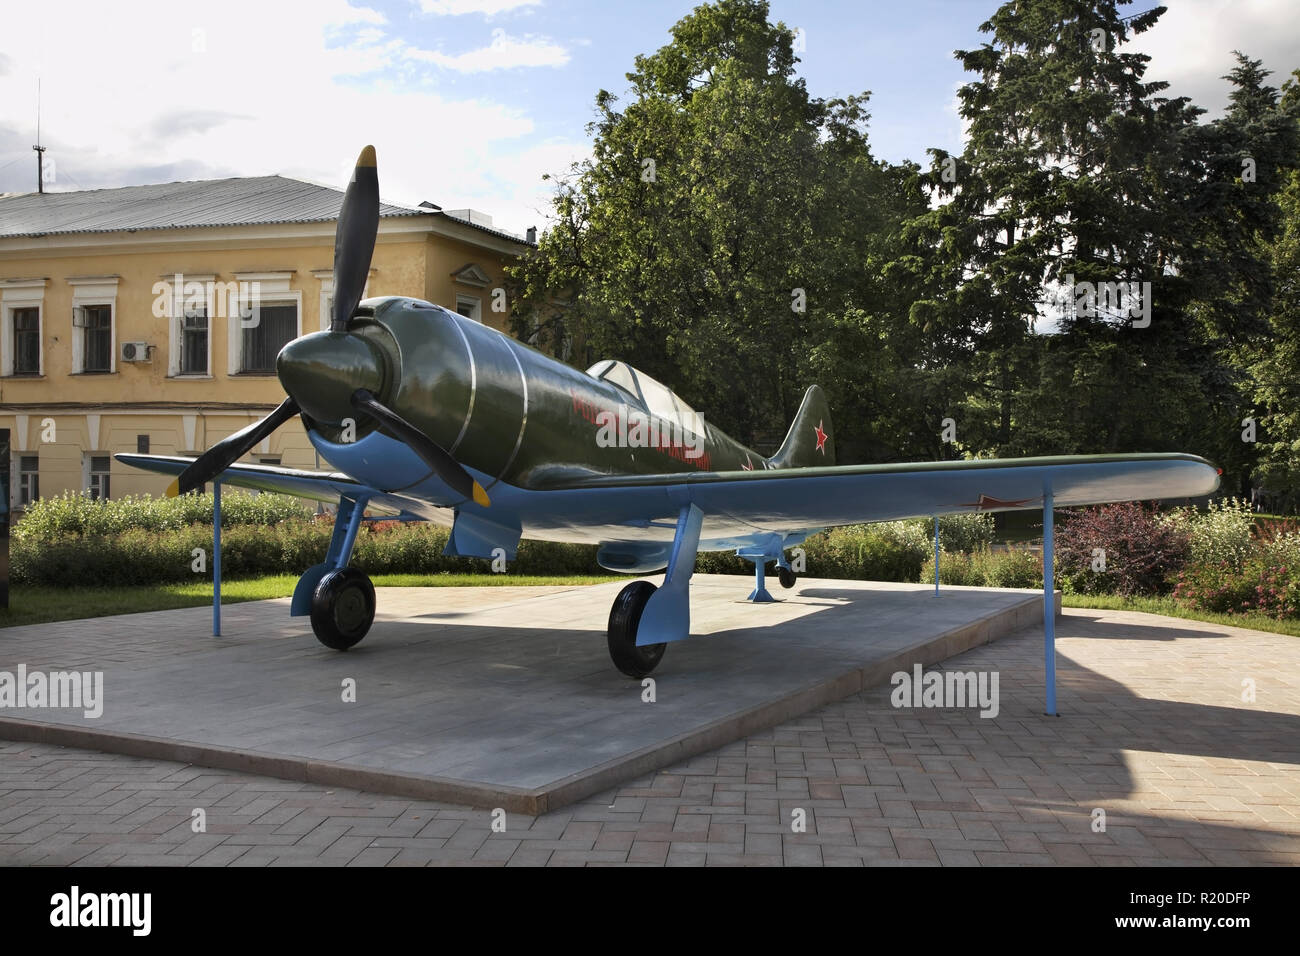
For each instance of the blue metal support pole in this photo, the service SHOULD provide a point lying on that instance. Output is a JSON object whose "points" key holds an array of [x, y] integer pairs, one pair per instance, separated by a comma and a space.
{"points": [[216, 559], [760, 594], [936, 555], [1049, 606]]}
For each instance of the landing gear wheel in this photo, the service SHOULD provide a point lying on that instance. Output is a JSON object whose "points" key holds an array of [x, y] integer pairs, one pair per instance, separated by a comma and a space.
{"points": [[786, 577], [342, 608], [624, 617]]}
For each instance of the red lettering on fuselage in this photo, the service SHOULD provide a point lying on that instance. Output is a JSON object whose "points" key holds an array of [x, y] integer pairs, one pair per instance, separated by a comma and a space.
{"points": [[656, 428]]}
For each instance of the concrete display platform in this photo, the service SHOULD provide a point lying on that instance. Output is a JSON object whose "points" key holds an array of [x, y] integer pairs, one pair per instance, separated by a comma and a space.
{"points": [[492, 697]]}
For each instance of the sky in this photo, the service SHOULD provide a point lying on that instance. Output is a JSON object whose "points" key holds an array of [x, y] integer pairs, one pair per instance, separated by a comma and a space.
{"points": [[470, 102]]}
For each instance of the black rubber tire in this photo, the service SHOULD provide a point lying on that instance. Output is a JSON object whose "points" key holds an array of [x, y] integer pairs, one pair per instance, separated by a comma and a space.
{"points": [[624, 617], [342, 608], [786, 577]]}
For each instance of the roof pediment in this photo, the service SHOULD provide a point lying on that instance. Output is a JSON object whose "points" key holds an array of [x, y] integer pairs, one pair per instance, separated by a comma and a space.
{"points": [[472, 274]]}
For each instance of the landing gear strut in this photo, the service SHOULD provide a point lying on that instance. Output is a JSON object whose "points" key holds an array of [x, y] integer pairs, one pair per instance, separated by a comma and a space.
{"points": [[342, 608], [624, 617], [340, 599]]}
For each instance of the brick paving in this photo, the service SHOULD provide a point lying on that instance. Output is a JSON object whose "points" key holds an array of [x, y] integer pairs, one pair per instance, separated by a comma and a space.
{"points": [[1154, 733]]}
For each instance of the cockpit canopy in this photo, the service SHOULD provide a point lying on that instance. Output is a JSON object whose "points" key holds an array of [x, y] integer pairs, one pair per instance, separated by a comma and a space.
{"points": [[654, 397]]}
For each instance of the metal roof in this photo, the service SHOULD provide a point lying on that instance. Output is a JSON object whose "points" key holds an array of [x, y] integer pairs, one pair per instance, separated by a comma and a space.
{"points": [[243, 201]]}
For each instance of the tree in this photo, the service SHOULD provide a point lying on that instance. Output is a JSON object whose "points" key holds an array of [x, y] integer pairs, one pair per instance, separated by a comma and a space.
{"points": [[724, 215], [1276, 366]]}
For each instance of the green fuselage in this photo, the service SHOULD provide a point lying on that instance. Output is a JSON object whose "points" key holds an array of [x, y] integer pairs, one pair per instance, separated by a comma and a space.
{"points": [[499, 406]]}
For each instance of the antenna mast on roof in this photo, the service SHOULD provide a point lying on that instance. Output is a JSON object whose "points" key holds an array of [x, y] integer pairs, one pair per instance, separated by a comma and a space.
{"points": [[40, 150]]}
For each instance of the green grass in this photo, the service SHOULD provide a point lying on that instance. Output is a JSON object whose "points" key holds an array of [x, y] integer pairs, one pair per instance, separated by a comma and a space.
{"points": [[41, 605], [1167, 607], [33, 605]]}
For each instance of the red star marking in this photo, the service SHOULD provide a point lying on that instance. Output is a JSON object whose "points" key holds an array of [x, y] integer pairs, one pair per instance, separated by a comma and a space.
{"points": [[748, 465], [987, 503], [821, 439]]}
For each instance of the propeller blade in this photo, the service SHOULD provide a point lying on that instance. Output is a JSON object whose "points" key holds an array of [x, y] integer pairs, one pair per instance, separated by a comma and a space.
{"points": [[229, 450], [354, 239], [434, 455]]}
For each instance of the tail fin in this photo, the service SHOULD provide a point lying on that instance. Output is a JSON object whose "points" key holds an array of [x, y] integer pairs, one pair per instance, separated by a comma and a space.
{"points": [[809, 442]]}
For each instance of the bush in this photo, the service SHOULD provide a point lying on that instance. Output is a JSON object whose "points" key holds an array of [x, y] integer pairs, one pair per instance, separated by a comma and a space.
{"points": [[1013, 568], [140, 556], [1142, 550], [1223, 533], [1261, 585], [888, 551], [963, 532], [955, 568], [47, 519]]}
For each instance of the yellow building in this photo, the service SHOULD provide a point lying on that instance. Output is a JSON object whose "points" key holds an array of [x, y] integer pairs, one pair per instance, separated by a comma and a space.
{"points": [[148, 318]]}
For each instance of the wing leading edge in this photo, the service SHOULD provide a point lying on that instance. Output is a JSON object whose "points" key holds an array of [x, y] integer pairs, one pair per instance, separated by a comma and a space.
{"points": [[314, 485]]}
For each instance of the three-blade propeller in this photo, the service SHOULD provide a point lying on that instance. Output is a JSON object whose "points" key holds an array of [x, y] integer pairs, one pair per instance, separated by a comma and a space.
{"points": [[354, 245]]}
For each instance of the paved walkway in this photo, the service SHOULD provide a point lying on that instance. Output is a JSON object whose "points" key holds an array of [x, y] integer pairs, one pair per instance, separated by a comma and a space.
{"points": [[1154, 733]]}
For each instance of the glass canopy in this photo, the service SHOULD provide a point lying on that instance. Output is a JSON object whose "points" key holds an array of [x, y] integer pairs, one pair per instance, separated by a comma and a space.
{"points": [[655, 397]]}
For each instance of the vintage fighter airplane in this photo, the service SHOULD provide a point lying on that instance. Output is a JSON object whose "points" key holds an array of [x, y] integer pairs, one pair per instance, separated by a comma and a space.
{"points": [[434, 416]]}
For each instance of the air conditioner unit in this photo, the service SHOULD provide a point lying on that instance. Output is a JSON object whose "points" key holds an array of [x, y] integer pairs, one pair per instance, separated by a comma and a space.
{"points": [[136, 351]]}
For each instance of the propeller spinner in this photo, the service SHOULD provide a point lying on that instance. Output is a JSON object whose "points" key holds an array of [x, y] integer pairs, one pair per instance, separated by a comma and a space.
{"points": [[331, 374]]}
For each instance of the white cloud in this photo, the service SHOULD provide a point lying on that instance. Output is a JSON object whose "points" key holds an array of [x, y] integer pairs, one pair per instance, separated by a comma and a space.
{"points": [[455, 8], [1191, 45], [252, 88], [504, 52]]}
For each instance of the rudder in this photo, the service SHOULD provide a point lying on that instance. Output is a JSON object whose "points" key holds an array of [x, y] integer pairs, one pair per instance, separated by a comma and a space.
{"points": [[809, 442]]}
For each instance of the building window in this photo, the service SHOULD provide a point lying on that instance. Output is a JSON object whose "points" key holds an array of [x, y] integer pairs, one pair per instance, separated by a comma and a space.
{"points": [[97, 476], [142, 444], [29, 479], [469, 306], [194, 342], [21, 298], [94, 323], [276, 327], [27, 341]]}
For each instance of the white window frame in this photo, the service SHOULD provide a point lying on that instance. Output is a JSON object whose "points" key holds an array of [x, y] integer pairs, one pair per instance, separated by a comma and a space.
{"points": [[273, 289], [18, 456], [88, 291], [18, 294], [86, 460], [470, 300], [175, 337], [326, 279]]}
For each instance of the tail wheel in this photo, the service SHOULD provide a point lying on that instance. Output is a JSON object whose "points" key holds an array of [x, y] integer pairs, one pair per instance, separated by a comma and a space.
{"points": [[342, 608], [786, 577], [624, 617]]}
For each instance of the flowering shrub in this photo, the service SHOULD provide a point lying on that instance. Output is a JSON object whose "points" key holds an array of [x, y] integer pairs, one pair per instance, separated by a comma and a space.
{"points": [[962, 532], [1141, 550], [1261, 585], [1221, 534]]}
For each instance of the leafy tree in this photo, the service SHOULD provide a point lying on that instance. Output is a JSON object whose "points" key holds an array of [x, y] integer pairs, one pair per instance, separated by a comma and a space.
{"points": [[1277, 363], [1061, 180], [724, 217]]}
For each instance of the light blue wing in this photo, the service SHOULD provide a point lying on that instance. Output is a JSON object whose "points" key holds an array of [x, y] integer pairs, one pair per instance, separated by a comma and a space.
{"points": [[313, 485], [850, 494]]}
